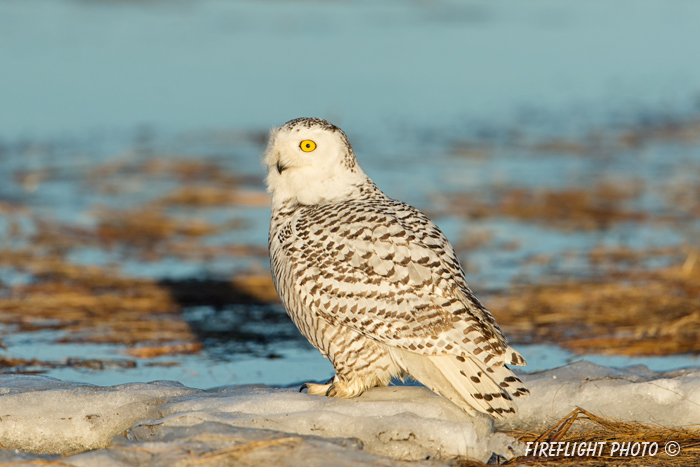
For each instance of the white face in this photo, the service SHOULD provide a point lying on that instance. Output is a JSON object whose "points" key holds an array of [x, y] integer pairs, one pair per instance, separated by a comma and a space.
{"points": [[309, 161]]}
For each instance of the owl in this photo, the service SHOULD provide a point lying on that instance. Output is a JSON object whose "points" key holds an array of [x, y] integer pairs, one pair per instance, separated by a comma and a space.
{"points": [[373, 283]]}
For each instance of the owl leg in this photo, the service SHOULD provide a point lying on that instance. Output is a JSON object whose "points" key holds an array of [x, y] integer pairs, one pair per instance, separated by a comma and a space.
{"points": [[362, 365], [350, 388], [353, 378]]}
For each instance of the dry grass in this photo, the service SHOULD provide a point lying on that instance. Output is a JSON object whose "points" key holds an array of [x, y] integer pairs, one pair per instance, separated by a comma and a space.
{"points": [[582, 426], [600, 206], [146, 233], [205, 195], [158, 351], [571, 209], [601, 143], [145, 228], [684, 198], [684, 132], [155, 228], [180, 169], [574, 209], [641, 312], [201, 182], [564, 146], [92, 304], [30, 366], [101, 305], [605, 143]]}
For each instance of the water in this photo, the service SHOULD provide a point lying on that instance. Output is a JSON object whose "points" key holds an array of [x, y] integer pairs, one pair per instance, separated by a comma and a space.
{"points": [[80, 68], [287, 366]]}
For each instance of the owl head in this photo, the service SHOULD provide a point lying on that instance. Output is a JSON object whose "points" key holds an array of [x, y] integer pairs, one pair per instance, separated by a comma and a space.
{"points": [[310, 161]]}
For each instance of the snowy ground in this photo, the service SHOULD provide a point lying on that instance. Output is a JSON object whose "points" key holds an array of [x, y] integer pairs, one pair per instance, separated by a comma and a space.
{"points": [[165, 423]]}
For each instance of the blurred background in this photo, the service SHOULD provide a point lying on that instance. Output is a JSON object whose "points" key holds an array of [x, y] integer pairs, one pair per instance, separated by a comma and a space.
{"points": [[556, 143]]}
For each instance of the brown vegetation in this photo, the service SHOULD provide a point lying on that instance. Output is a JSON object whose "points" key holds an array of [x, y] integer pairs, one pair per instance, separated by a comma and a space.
{"points": [[92, 304], [624, 309], [204, 195], [638, 312], [100, 304], [570, 209], [582, 426]]}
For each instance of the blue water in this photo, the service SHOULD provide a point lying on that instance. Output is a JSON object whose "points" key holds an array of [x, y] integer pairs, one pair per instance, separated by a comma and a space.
{"points": [[71, 66], [291, 365]]}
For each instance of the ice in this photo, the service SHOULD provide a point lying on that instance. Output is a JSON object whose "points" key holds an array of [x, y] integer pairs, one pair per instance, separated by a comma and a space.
{"points": [[216, 444], [401, 422], [45, 415], [165, 423], [633, 394]]}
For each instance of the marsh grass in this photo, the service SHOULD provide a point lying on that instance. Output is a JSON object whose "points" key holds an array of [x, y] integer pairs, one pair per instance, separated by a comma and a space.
{"points": [[570, 209], [624, 307], [581, 426], [629, 312], [100, 304]]}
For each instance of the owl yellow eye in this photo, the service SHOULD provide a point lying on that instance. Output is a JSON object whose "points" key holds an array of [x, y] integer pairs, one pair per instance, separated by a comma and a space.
{"points": [[307, 145]]}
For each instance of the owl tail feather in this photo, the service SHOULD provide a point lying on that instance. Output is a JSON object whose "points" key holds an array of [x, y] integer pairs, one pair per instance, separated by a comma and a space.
{"points": [[468, 382]]}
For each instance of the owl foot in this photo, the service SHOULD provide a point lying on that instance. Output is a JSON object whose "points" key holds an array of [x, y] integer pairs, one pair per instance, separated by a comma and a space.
{"points": [[316, 389], [334, 388]]}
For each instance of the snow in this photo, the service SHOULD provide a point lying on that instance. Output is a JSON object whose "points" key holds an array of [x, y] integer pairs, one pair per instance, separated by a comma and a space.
{"points": [[45, 415], [165, 423], [633, 393], [214, 444], [401, 422]]}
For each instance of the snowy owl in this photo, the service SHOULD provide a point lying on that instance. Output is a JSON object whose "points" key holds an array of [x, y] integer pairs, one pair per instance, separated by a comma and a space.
{"points": [[373, 283]]}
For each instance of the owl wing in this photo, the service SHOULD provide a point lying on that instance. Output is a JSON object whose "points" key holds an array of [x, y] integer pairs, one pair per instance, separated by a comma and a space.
{"points": [[389, 273]]}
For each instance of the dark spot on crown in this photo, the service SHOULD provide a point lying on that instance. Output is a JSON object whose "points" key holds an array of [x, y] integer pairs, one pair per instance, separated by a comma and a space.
{"points": [[306, 122]]}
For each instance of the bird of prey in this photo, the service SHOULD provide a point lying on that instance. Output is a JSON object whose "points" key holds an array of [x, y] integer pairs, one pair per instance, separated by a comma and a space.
{"points": [[373, 283]]}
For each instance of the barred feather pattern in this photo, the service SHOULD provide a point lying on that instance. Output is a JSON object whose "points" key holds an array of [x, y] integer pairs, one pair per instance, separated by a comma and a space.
{"points": [[378, 289]]}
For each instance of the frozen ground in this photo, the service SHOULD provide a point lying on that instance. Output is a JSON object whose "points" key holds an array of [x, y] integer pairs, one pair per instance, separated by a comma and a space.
{"points": [[165, 423]]}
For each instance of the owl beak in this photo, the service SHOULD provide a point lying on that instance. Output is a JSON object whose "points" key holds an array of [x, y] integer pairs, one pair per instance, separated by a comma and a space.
{"points": [[281, 167]]}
